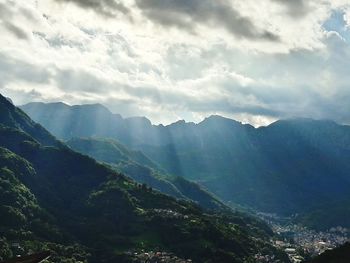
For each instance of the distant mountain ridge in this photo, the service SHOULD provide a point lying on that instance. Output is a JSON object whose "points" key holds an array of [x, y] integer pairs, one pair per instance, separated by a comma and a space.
{"points": [[274, 168], [53, 198]]}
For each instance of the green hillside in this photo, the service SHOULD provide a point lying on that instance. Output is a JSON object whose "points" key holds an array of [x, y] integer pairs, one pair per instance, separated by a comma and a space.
{"points": [[140, 168], [270, 169], [82, 210]]}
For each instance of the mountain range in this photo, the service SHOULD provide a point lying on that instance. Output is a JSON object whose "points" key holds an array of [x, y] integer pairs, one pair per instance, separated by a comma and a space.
{"points": [[295, 166], [55, 199]]}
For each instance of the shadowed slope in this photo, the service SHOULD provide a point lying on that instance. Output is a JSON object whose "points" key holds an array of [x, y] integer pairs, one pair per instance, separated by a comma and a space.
{"points": [[143, 170], [96, 211], [273, 169]]}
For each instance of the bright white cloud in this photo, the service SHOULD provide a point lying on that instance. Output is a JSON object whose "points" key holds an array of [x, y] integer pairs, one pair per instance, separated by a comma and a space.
{"points": [[273, 59]]}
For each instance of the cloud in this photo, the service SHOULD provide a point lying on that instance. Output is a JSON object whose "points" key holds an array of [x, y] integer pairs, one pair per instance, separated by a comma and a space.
{"points": [[6, 19], [186, 15], [137, 68], [295, 8], [109, 8], [17, 31], [189, 14], [13, 69]]}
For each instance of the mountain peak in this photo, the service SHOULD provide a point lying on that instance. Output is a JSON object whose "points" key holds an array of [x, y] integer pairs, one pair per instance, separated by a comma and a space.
{"points": [[61, 105], [40, 105], [9, 100], [303, 121], [93, 107], [179, 123], [219, 119], [3, 99], [13, 117]]}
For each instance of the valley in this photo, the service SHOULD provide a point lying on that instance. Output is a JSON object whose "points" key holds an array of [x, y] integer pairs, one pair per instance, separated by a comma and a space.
{"points": [[174, 131], [302, 243], [131, 208], [58, 200]]}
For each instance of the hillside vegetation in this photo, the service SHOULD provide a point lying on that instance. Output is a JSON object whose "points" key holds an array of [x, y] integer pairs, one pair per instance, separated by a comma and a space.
{"points": [[270, 169], [59, 200], [140, 168]]}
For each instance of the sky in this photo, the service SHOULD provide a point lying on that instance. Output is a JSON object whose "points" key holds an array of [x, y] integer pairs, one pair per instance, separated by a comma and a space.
{"points": [[253, 61]]}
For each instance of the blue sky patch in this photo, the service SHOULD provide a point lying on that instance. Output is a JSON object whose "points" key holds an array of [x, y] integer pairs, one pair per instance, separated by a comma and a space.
{"points": [[337, 23]]}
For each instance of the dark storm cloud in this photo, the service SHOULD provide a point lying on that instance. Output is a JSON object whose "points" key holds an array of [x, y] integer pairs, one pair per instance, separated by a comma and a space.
{"points": [[295, 8], [105, 7], [188, 14]]}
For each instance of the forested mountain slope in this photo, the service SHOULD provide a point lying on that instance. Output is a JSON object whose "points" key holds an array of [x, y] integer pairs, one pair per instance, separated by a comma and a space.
{"points": [[140, 168], [272, 169], [82, 210]]}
